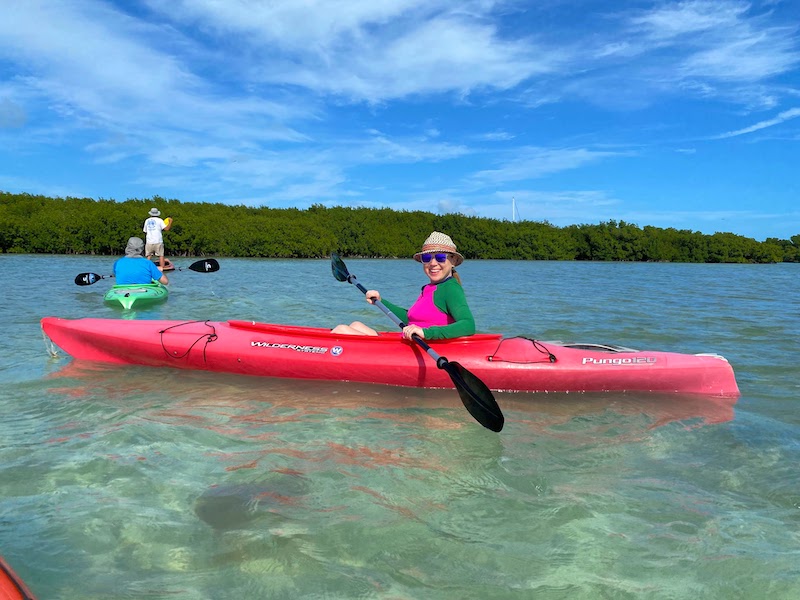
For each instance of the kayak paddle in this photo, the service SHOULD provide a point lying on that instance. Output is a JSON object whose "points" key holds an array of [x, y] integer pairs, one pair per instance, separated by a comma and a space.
{"points": [[89, 278], [476, 396], [207, 265]]}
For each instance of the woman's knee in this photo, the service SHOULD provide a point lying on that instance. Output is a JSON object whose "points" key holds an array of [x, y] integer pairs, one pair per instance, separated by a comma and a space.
{"points": [[355, 328]]}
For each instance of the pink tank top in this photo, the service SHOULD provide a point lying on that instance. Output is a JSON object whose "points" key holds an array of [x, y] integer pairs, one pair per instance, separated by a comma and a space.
{"points": [[425, 313]]}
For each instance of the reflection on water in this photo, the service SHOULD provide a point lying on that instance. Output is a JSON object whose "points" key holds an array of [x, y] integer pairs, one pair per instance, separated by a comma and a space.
{"points": [[297, 399]]}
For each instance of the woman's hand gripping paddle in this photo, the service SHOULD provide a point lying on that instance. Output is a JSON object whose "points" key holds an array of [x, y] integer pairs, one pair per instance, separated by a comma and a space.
{"points": [[207, 265], [476, 396]]}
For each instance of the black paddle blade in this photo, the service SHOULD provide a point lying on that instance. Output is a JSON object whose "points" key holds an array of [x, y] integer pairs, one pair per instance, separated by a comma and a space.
{"points": [[87, 278], [338, 268], [207, 265], [476, 396]]}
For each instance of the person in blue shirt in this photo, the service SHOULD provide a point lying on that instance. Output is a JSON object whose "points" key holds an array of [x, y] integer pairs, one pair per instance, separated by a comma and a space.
{"points": [[134, 268]]}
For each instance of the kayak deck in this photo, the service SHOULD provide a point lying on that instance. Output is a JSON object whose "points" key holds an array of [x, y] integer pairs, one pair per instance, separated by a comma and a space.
{"points": [[287, 351], [127, 296]]}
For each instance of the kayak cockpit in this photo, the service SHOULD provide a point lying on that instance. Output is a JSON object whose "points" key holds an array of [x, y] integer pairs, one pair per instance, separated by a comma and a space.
{"points": [[594, 347]]}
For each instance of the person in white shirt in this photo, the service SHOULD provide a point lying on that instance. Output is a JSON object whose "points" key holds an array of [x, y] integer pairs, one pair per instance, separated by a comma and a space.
{"points": [[154, 241]]}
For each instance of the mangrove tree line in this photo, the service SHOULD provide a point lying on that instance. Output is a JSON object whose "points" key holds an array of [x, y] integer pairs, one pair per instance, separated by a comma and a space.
{"points": [[40, 224]]}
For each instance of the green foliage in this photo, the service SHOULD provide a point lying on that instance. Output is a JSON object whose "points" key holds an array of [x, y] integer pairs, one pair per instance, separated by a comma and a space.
{"points": [[38, 224]]}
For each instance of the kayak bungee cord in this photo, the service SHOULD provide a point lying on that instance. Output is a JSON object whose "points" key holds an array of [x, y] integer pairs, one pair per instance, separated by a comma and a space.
{"points": [[542, 349], [535, 343], [210, 337]]}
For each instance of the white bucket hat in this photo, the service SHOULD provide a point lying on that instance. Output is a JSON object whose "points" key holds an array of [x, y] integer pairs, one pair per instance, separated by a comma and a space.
{"points": [[154, 212], [439, 242]]}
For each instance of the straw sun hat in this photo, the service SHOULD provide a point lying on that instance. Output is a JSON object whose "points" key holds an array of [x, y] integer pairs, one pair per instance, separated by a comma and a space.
{"points": [[439, 242]]}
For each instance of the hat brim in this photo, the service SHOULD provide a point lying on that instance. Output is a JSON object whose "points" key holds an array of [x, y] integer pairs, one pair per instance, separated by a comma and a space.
{"points": [[456, 259]]}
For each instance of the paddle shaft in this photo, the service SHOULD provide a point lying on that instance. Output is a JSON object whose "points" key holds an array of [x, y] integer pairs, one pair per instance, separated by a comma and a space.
{"points": [[440, 360], [207, 265]]}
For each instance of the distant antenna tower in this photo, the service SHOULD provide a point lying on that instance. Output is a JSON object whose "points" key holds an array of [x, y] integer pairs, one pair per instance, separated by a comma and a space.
{"points": [[514, 211]]}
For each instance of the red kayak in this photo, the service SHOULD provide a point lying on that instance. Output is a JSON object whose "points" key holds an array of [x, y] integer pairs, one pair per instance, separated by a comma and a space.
{"points": [[11, 586], [168, 266], [502, 363]]}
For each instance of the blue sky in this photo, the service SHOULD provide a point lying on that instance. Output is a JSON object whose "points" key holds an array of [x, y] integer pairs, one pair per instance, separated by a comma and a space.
{"points": [[671, 114]]}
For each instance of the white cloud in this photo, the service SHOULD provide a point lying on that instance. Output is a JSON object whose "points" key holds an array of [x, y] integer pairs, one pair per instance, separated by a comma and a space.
{"points": [[532, 163], [494, 136], [753, 56], [678, 19], [782, 117], [370, 52], [717, 49]]}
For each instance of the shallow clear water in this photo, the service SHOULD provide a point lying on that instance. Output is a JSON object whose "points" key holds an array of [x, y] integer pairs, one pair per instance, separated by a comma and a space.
{"points": [[130, 482]]}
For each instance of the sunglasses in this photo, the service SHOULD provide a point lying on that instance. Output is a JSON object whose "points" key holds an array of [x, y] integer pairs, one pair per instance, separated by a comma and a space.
{"points": [[439, 256]]}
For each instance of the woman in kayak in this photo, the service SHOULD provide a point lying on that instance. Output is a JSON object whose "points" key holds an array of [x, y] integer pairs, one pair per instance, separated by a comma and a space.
{"points": [[441, 311], [134, 268]]}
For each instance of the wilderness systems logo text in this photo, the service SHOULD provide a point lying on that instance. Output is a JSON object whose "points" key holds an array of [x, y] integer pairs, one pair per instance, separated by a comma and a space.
{"points": [[295, 347]]}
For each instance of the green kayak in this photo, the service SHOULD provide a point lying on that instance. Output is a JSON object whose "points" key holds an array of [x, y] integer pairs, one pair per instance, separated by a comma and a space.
{"points": [[137, 294]]}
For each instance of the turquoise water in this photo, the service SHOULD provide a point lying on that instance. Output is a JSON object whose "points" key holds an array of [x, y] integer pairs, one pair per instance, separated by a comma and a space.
{"points": [[129, 482]]}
